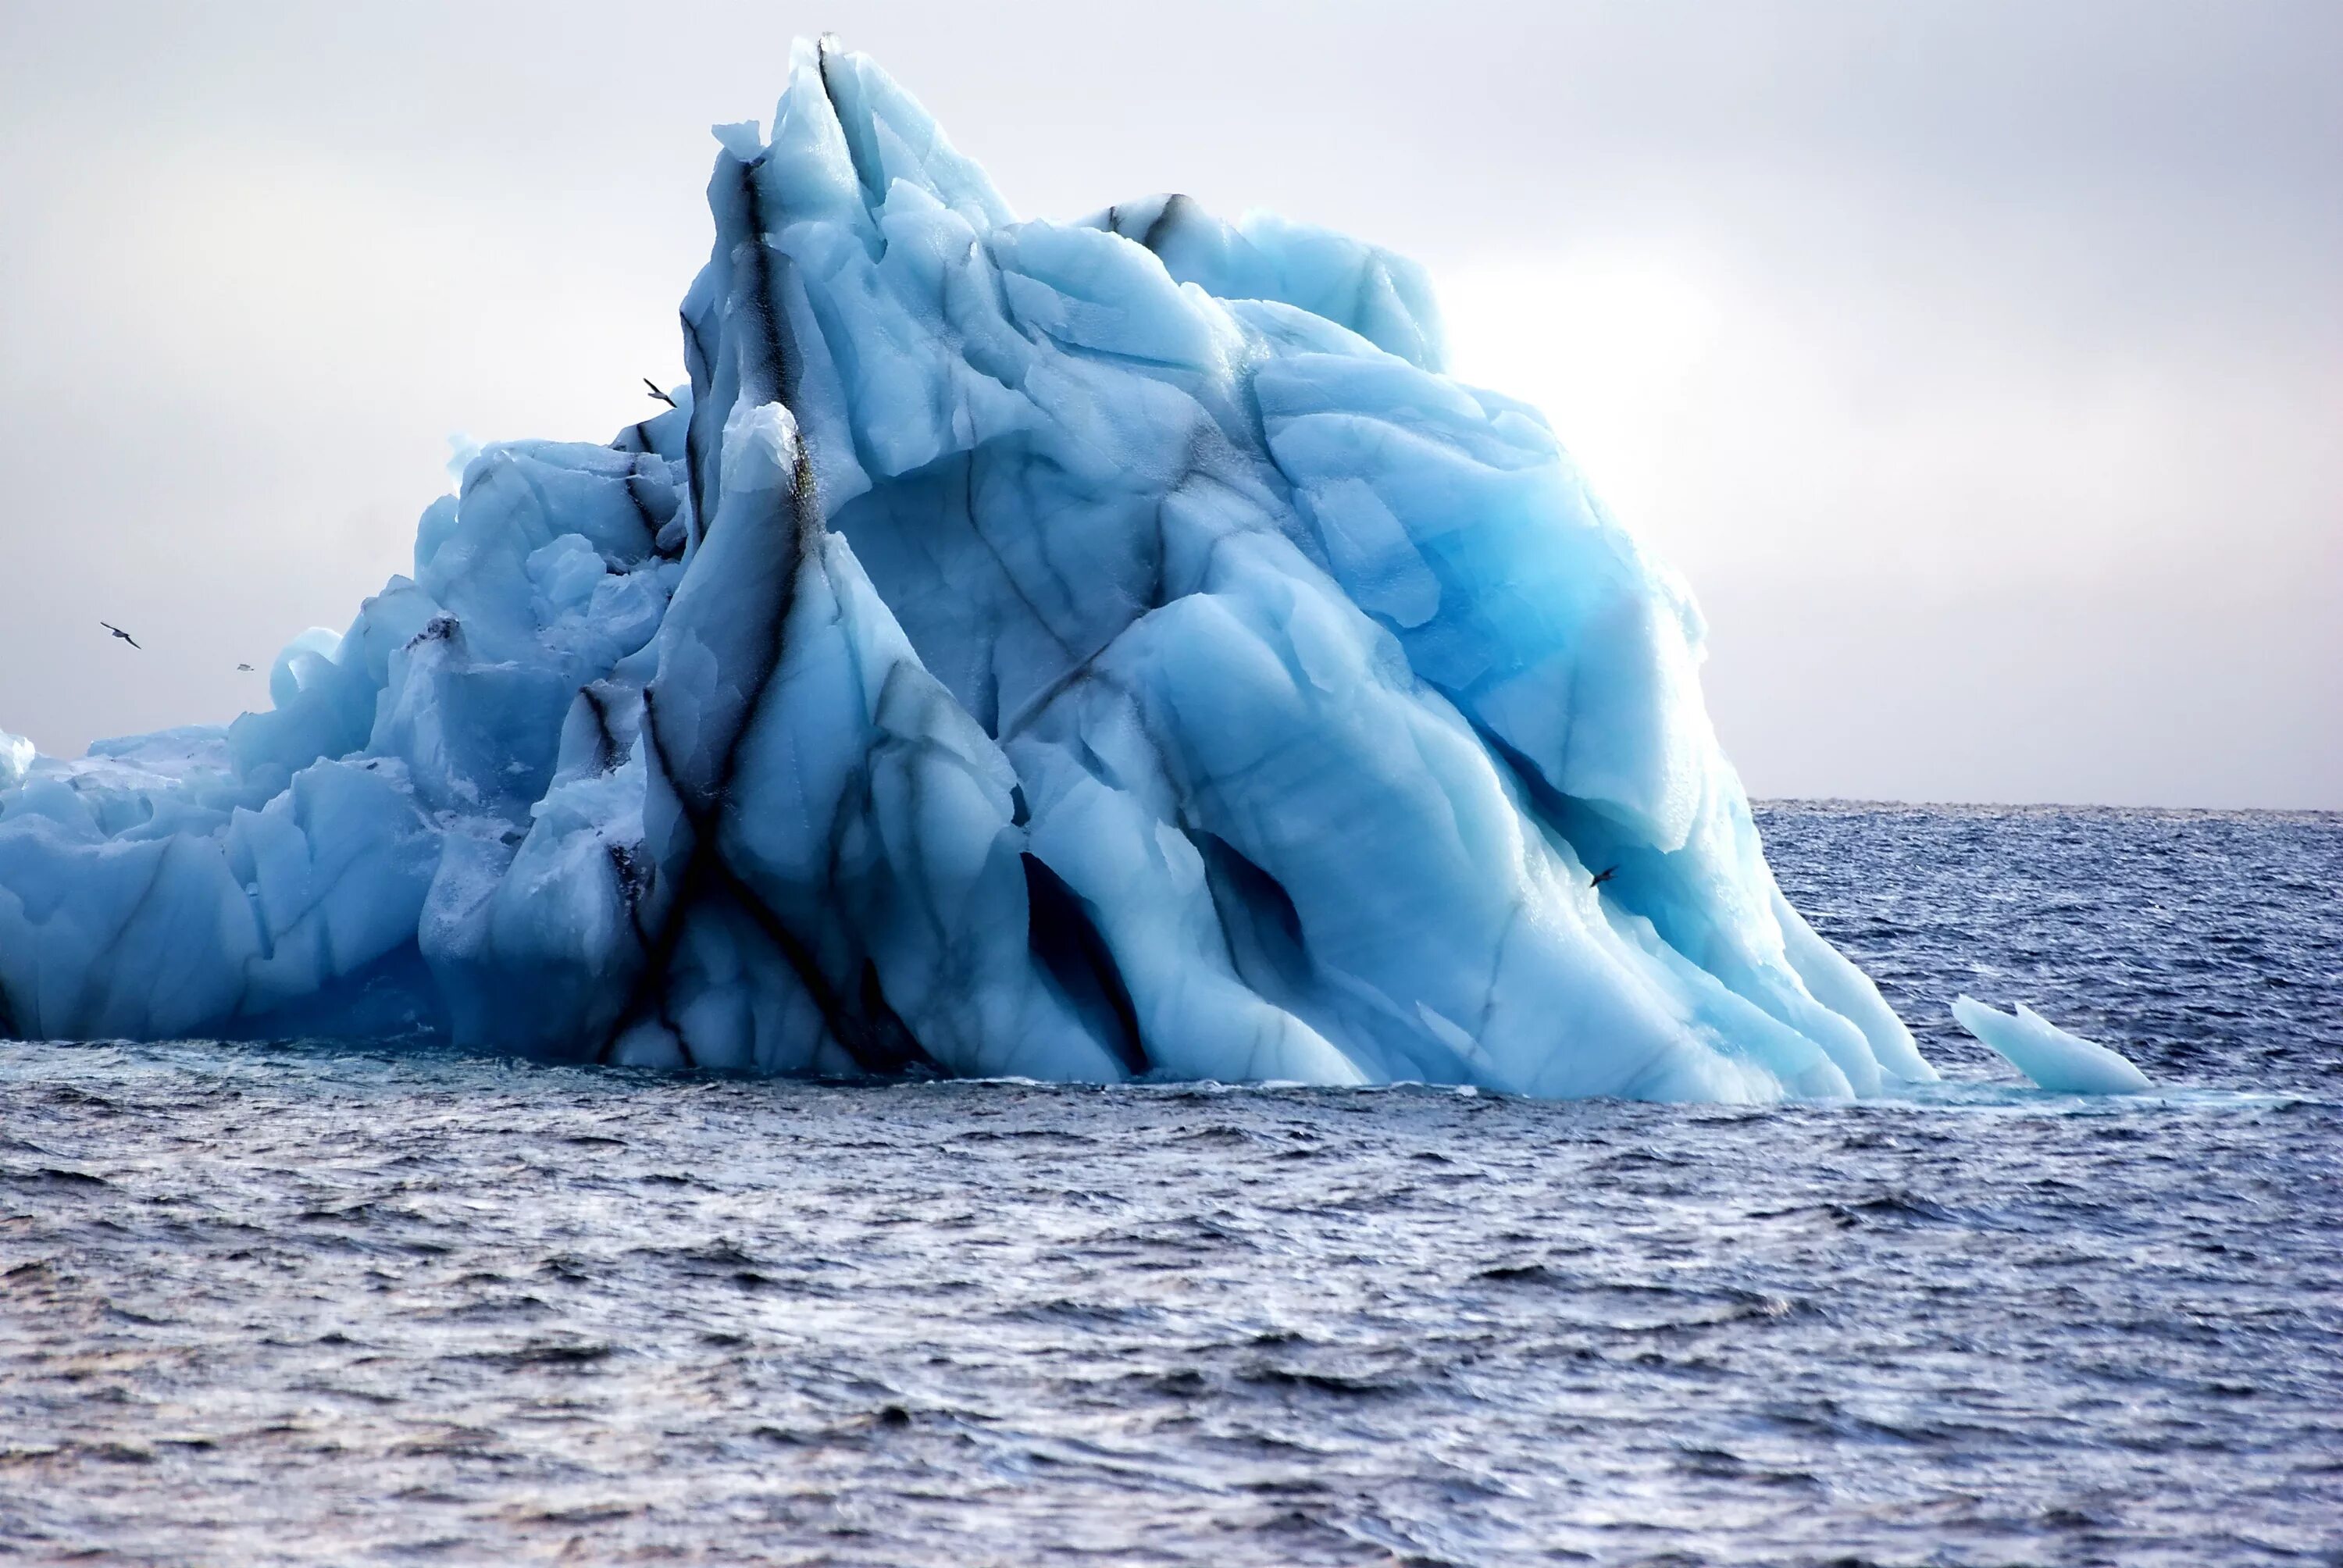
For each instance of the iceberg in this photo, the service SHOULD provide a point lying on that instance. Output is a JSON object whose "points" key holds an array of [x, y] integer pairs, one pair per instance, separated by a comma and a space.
{"points": [[2055, 1059], [1085, 651]]}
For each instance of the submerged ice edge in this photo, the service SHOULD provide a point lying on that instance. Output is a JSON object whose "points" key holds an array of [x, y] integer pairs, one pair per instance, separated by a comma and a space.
{"points": [[361, 1063], [1079, 651]]}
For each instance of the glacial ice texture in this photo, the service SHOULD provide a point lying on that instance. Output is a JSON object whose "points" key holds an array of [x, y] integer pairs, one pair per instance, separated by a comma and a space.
{"points": [[2055, 1059], [1083, 651]]}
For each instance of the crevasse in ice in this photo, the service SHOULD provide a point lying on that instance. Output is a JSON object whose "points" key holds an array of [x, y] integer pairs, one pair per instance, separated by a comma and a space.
{"points": [[1074, 650]]}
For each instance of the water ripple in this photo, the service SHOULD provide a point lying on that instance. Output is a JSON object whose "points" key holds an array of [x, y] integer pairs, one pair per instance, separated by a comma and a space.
{"points": [[290, 1305]]}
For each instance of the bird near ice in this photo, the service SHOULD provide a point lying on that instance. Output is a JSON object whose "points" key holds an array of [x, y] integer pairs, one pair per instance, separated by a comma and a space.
{"points": [[1085, 651], [653, 388], [118, 631], [245, 667]]}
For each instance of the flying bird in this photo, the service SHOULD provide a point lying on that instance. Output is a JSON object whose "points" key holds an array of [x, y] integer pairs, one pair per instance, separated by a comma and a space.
{"points": [[1603, 876], [244, 667], [657, 393], [119, 632]]}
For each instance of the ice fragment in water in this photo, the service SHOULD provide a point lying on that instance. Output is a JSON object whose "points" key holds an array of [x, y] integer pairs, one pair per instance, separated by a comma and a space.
{"points": [[2062, 1062]]}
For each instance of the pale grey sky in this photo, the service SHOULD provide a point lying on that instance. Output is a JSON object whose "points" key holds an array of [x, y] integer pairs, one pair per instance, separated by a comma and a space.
{"points": [[1981, 365]]}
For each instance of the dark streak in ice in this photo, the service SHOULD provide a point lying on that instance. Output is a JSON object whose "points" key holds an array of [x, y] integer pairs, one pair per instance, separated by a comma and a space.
{"points": [[1076, 957]]}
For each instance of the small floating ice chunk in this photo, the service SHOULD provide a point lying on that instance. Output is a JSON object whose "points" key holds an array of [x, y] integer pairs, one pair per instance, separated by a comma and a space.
{"points": [[2061, 1062]]}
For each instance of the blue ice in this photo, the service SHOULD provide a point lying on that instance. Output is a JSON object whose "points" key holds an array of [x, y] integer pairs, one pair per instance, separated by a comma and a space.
{"points": [[1083, 651], [2055, 1059]]}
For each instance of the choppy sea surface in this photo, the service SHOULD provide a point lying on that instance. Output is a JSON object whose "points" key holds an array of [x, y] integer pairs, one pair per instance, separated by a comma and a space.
{"points": [[301, 1305]]}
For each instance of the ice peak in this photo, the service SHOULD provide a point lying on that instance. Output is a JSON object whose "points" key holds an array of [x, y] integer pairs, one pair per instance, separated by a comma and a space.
{"points": [[1072, 651]]}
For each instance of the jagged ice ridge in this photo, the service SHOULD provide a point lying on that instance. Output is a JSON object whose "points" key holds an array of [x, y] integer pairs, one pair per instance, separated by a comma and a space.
{"points": [[1072, 651]]}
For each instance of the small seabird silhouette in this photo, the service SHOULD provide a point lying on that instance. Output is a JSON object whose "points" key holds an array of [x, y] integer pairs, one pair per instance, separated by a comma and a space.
{"points": [[1603, 876], [244, 667], [657, 393], [120, 633]]}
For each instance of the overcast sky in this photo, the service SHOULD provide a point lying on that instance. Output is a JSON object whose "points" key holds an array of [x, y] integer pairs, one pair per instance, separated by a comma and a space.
{"points": [[1980, 365]]}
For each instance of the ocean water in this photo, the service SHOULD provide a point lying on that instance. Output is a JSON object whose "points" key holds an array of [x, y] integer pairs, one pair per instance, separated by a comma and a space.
{"points": [[302, 1305]]}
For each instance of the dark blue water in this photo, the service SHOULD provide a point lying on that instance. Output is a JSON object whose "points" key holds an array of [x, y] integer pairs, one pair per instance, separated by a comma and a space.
{"points": [[262, 1306]]}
